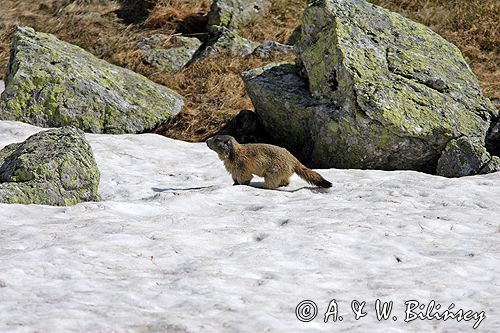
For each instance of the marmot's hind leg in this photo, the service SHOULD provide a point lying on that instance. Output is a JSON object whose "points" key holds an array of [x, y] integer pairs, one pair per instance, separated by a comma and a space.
{"points": [[285, 182], [272, 181]]}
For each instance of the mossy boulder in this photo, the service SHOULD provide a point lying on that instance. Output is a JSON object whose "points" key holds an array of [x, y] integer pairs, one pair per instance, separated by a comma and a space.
{"points": [[170, 59], [382, 92], [54, 167], [235, 13], [51, 83]]}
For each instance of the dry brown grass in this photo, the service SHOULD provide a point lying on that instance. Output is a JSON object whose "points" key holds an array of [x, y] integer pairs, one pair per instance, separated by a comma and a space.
{"points": [[214, 93], [278, 23], [213, 89]]}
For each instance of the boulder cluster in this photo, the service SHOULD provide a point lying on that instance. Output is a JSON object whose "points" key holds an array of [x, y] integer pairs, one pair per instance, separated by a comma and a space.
{"points": [[370, 89], [374, 90]]}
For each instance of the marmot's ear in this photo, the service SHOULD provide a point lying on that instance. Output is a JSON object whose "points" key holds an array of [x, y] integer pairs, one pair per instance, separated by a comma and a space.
{"points": [[227, 148]]}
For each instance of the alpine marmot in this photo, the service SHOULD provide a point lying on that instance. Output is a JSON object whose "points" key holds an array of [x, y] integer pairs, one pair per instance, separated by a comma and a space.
{"points": [[274, 163]]}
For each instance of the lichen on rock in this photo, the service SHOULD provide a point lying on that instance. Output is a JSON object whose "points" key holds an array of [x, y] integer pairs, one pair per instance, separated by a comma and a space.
{"points": [[392, 92], [51, 83], [55, 167]]}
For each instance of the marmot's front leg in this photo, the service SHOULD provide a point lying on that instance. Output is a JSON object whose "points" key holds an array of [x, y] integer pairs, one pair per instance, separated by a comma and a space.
{"points": [[242, 179]]}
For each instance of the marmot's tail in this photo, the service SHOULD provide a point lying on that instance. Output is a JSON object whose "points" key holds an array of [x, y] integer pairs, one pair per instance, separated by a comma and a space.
{"points": [[312, 177]]}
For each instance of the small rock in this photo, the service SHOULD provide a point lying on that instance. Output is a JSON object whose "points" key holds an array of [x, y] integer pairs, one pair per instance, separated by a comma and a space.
{"points": [[492, 166], [235, 13], [463, 157], [225, 42], [268, 48], [173, 59]]}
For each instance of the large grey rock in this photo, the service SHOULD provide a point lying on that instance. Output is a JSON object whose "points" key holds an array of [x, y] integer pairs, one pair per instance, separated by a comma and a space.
{"points": [[235, 13], [381, 91], [172, 59], [54, 167], [51, 83]]}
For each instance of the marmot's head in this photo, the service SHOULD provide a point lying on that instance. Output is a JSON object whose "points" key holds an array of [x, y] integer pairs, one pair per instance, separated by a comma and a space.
{"points": [[223, 145]]}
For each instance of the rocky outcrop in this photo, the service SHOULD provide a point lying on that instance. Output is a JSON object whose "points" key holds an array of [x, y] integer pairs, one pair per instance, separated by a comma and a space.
{"points": [[169, 59], [51, 83], [235, 13], [373, 90], [54, 167]]}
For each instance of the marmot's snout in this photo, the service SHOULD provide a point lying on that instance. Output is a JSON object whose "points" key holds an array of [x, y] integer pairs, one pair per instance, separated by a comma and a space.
{"points": [[221, 144]]}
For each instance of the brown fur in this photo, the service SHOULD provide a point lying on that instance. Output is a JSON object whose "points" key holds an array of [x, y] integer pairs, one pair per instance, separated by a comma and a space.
{"points": [[274, 163]]}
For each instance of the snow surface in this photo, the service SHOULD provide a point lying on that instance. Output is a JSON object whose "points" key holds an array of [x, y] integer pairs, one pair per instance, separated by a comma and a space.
{"points": [[173, 247], [2, 86]]}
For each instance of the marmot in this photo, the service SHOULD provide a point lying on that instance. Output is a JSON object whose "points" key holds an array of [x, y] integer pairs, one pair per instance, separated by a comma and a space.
{"points": [[273, 163]]}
